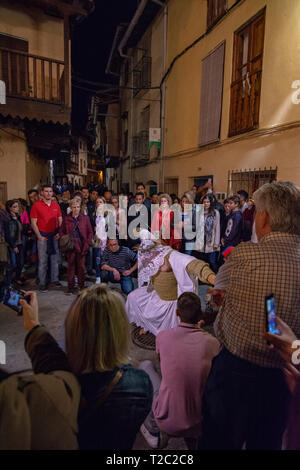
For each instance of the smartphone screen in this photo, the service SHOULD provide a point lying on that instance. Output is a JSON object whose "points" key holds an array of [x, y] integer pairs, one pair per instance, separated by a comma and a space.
{"points": [[271, 314], [13, 300], [11, 297]]}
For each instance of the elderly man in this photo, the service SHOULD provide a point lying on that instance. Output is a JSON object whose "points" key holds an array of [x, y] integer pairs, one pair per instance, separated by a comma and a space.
{"points": [[246, 397], [117, 264]]}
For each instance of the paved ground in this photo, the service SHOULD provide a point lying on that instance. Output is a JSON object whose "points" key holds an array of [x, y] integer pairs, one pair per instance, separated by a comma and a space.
{"points": [[53, 307]]}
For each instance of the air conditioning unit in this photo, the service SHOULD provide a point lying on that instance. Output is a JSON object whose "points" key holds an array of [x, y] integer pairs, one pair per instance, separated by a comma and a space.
{"points": [[220, 196]]}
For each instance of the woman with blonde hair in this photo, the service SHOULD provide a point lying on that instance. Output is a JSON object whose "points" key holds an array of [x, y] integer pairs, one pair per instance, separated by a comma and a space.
{"points": [[117, 397], [163, 223]]}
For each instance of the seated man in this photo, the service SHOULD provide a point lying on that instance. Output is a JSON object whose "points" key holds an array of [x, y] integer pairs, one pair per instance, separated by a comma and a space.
{"points": [[186, 353], [116, 265]]}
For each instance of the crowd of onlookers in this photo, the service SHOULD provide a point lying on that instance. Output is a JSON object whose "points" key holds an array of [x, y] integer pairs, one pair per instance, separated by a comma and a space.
{"points": [[42, 230], [237, 389]]}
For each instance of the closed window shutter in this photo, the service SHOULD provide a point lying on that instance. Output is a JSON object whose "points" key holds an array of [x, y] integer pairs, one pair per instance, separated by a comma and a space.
{"points": [[215, 10], [211, 95], [247, 75]]}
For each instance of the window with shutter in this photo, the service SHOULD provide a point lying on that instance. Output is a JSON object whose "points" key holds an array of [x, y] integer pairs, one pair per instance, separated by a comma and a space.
{"points": [[247, 74], [211, 96], [14, 67], [215, 10], [250, 180]]}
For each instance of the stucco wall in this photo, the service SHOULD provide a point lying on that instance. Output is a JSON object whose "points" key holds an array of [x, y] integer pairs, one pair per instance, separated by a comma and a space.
{"points": [[37, 171], [281, 150], [18, 168], [280, 70], [44, 33], [12, 163]]}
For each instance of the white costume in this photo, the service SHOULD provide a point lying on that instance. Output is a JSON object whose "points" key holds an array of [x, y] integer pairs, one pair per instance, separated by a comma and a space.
{"points": [[153, 305]]}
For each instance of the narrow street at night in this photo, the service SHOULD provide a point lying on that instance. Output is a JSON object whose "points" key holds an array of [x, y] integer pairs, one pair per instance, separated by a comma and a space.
{"points": [[150, 229]]}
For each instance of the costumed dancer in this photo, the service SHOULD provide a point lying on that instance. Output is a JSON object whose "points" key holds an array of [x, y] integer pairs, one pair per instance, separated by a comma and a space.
{"points": [[163, 275]]}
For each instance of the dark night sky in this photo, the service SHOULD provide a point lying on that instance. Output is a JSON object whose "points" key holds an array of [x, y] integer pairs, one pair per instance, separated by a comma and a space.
{"points": [[91, 45]]}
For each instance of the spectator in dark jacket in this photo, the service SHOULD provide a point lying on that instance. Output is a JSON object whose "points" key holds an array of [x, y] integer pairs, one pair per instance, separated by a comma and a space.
{"points": [[64, 202], [78, 226], [13, 237], [97, 342], [234, 229], [224, 221], [248, 219]]}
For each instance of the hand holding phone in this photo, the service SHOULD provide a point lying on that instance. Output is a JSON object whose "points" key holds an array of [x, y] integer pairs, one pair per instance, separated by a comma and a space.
{"points": [[283, 340], [12, 298], [30, 310], [270, 313]]}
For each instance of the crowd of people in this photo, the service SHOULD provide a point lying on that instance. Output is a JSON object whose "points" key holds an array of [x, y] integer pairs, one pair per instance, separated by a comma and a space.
{"points": [[32, 231], [237, 388]]}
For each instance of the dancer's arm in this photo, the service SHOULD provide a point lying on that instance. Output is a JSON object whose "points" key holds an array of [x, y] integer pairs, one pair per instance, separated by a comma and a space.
{"points": [[201, 270]]}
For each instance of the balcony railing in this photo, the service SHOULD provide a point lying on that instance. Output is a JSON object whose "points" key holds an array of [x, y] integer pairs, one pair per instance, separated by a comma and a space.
{"points": [[32, 77], [140, 147], [142, 74]]}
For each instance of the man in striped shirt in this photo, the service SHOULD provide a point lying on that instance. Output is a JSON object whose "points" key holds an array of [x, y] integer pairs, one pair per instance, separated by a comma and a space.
{"points": [[117, 265]]}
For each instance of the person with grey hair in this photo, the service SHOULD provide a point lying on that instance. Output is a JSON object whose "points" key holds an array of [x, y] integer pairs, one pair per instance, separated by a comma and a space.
{"points": [[246, 398]]}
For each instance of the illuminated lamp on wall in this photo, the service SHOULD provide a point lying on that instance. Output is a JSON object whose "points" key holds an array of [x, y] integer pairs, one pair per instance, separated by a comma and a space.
{"points": [[100, 177]]}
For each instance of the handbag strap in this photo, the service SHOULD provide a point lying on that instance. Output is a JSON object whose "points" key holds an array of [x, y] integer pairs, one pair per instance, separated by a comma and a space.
{"points": [[102, 397]]}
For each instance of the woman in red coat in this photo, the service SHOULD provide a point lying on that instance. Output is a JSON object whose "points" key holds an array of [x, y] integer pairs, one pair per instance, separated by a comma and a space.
{"points": [[163, 224], [79, 227]]}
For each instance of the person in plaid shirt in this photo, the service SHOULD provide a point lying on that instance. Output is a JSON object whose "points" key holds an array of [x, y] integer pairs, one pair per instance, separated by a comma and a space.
{"points": [[246, 397]]}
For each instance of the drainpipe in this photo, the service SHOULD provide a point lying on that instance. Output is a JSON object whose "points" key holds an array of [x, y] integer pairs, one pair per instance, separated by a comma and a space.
{"points": [[107, 70], [163, 98], [134, 21], [122, 44]]}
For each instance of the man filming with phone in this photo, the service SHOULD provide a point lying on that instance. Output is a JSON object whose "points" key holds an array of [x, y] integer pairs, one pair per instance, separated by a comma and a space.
{"points": [[246, 397]]}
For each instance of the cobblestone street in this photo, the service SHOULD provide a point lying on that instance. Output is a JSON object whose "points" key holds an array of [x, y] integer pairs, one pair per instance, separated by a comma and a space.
{"points": [[53, 307]]}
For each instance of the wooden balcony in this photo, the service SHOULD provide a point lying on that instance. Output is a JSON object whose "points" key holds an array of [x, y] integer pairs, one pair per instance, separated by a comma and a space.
{"points": [[35, 86]]}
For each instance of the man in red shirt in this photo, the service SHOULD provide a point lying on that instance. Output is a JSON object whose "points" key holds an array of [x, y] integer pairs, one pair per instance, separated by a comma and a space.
{"points": [[46, 218]]}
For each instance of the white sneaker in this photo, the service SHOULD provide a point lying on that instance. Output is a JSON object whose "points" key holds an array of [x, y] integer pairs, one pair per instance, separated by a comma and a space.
{"points": [[98, 280], [156, 441]]}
